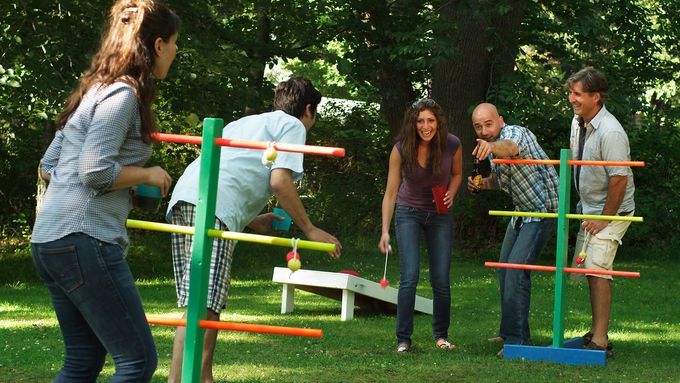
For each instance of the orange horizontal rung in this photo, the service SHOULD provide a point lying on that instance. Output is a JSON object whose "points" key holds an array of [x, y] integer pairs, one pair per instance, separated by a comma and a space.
{"points": [[234, 326], [570, 162], [308, 149], [252, 144], [613, 273], [605, 163], [178, 138], [628, 274]]}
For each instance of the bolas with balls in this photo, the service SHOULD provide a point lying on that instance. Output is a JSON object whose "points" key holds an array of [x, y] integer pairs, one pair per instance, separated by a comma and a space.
{"points": [[294, 264], [383, 283], [581, 257]]}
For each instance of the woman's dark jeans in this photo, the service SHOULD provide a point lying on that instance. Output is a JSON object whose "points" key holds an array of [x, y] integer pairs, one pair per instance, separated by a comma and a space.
{"points": [[438, 229], [98, 307]]}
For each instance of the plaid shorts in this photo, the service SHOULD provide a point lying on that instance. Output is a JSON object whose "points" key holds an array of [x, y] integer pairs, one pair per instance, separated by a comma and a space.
{"points": [[184, 214]]}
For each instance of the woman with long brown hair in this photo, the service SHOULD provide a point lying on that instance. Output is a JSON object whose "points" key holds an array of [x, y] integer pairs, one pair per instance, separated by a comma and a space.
{"points": [[79, 238], [425, 158]]}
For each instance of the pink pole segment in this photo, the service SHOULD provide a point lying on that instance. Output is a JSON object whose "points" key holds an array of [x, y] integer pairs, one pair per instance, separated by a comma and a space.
{"points": [[252, 144], [233, 326], [628, 274]]}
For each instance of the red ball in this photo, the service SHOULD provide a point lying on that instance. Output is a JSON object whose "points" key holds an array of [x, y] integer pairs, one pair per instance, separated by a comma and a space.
{"points": [[383, 282], [291, 255]]}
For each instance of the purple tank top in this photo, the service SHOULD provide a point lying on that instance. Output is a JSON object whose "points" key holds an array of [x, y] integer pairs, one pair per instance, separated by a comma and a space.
{"points": [[416, 188]]}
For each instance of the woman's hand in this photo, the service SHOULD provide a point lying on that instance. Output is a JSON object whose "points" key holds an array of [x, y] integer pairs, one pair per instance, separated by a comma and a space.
{"points": [[157, 176], [384, 244]]}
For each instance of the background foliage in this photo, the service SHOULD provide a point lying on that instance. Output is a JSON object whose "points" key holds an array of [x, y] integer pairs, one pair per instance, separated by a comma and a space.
{"points": [[383, 55]]}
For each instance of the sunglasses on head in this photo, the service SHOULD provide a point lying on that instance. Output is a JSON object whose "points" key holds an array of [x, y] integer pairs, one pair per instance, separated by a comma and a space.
{"points": [[424, 102]]}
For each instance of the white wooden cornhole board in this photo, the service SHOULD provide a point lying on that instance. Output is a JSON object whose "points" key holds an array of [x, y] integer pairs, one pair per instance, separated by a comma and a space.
{"points": [[350, 289]]}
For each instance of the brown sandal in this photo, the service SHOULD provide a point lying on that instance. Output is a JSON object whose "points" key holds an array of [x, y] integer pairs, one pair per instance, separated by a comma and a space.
{"points": [[596, 347], [444, 344], [588, 337]]}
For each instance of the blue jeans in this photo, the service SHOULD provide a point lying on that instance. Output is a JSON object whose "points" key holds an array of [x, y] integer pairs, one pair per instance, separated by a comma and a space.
{"points": [[438, 228], [98, 308], [521, 245]]}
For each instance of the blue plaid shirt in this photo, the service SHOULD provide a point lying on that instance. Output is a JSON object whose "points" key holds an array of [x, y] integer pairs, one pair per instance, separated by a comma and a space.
{"points": [[84, 160], [533, 188]]}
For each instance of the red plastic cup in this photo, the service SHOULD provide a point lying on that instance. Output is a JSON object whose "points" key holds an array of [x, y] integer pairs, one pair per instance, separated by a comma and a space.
{"points": [[438, 192]]}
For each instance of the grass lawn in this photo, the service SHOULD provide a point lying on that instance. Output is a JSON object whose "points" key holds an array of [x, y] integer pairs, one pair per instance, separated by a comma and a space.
{"points": [[645, 329]]}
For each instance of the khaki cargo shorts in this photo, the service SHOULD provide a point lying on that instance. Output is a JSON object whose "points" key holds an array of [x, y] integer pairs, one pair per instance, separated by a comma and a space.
{"points": [[600, 249]]}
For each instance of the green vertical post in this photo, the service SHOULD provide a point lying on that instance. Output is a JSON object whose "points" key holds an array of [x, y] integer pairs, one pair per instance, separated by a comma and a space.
{"points": [[202, 250], [561, 253]]}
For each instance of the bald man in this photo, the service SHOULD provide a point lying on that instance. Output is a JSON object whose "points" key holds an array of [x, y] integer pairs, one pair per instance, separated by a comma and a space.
{"points": [[533, 188]]}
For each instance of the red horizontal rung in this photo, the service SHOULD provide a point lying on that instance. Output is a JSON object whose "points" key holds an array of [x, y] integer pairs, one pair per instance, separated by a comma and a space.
{"points": [[234, 326], [574, 270]]}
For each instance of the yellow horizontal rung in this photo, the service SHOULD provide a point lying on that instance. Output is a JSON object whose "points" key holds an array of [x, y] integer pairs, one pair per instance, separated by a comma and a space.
{"points": [[521, 214], [569, 216], [236, 236]]}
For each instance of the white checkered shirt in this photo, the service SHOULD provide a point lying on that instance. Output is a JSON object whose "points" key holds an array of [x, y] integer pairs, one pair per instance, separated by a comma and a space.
{"points": [[84, 160]]}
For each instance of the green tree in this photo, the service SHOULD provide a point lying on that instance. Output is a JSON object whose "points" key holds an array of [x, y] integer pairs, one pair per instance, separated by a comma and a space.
{"points": [[36, 67], [515, 53]]}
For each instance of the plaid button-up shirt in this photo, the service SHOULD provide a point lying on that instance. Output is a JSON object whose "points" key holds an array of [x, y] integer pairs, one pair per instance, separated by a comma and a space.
{"points": [[533, 188]]}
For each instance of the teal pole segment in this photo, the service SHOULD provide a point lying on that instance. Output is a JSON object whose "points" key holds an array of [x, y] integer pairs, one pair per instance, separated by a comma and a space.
{"points": [[202, 250], [561, 253]]}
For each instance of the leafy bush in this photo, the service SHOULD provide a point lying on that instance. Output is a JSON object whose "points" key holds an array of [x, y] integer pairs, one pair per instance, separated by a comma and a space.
{"points": [[344, 195]]}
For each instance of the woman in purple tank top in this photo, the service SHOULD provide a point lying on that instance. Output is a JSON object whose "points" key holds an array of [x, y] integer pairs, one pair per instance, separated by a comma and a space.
{"points": [[425, 172]]}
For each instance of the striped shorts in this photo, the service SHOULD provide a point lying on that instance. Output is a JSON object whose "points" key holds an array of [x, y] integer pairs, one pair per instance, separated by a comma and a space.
{"points": [[184, 214]]}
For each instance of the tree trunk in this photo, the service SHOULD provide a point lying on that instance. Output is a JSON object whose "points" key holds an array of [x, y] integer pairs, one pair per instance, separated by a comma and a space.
{"points": [[484, 50], [463, 80], [396, 95], [392, 78], [260, 54]]}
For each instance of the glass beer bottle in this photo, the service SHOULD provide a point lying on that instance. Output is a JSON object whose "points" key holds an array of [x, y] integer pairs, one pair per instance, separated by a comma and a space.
{"points": [[476, 175]]}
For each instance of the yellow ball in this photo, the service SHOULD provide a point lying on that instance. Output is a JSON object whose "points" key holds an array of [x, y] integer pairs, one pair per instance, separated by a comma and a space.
{"points": [[270, 154], [294, 264]]}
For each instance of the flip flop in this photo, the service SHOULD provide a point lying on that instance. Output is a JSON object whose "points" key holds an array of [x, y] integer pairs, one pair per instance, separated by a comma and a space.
{"points": [[403, 347]]}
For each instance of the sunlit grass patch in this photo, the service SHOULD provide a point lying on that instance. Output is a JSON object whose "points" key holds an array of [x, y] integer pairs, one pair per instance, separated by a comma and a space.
{"points": [[644, 329]]}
